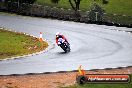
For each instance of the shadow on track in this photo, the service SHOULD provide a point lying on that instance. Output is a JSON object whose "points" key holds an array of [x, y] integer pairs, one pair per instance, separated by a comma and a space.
{"points": [[61, 53]]}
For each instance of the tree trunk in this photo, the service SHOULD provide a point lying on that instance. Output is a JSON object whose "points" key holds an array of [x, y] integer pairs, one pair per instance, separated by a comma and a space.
{"points": [[77, 4], [71, 4], [76, 7]]}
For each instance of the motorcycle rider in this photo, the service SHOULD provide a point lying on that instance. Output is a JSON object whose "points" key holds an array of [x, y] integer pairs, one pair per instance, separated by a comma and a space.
{"points": [[58, 35]]}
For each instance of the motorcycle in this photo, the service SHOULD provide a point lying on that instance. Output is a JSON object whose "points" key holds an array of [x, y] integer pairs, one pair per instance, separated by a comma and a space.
{"points": [[64, 45]]}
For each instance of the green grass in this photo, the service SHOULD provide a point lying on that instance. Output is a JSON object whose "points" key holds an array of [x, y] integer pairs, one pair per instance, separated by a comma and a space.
{"points": [[122, 7], [103, 85], [15, 44]]}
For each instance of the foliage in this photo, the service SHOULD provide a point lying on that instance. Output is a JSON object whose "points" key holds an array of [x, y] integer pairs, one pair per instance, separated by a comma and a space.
{"points": [[55, 1], [105, 1], [96, 12], [120, 7], [22, 1], [75, 4]]}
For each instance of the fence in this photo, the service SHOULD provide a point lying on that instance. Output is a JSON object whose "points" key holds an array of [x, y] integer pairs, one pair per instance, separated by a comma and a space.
{"points": [[64, 14]]}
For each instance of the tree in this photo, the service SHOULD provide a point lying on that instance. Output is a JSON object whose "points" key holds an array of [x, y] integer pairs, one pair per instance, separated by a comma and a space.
{"points": [[76, 7], [75, 4]]}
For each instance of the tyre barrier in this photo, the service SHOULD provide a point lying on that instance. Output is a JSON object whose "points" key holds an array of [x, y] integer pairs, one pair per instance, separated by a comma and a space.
{"points": [[81, 79]]}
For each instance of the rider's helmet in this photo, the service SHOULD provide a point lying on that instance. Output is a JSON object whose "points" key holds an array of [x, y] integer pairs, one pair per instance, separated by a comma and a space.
{"points": [[57, 34]]}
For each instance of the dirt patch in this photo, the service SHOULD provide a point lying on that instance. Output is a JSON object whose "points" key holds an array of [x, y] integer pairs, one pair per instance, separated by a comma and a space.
{"points": [[53, 80]]}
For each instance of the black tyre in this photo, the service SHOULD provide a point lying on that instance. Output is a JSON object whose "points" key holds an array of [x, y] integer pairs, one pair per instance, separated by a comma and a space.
{"points": [[63, 47], [81, 79], [68, 49]]}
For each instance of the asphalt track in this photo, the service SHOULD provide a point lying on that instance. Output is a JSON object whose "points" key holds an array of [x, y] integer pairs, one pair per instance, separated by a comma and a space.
{"points": [[92, 46]]}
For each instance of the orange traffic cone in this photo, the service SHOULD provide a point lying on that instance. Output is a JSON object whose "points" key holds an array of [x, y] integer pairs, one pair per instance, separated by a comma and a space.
{"points": [[41, 37], [81, 71]]}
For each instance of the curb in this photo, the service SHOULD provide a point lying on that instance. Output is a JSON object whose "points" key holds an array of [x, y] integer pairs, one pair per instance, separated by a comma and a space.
{"points": [[95, 70], [50, 46], [129, 31]]}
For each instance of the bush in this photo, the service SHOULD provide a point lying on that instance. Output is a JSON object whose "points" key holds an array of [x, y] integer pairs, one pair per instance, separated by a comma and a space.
{"points": [[105, 1], [96, 13], [22, 1]]}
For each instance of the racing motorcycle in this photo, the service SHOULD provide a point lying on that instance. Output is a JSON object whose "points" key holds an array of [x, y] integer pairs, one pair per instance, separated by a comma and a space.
{"points": [[64, 45]]}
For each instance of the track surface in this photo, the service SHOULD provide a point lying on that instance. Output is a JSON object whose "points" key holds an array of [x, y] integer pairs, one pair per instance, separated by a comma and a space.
{"points": [[93, 46]]}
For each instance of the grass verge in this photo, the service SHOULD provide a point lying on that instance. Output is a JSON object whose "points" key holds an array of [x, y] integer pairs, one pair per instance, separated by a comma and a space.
{"points": [[18, 44], [102, 85]]}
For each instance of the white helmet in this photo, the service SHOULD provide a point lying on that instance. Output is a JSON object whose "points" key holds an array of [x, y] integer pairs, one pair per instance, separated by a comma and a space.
{"points": [[57, 33]]}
